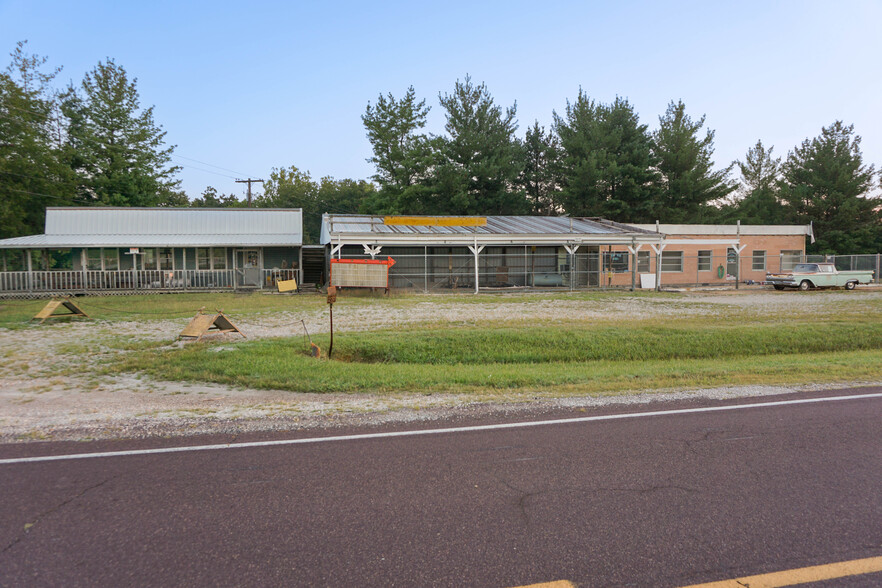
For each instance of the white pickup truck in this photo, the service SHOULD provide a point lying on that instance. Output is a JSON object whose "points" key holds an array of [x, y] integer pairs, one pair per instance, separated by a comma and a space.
{"points": [[806, 276]]}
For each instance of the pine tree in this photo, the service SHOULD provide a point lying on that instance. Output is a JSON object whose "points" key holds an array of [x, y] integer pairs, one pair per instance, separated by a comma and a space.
{"points": [[481, 157], [689, 184], [540, 178], [116, 147], [607, 168], [402, 155], [825, 182], [757, 197]]}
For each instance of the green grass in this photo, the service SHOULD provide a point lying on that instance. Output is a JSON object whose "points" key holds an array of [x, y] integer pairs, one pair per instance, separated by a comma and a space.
{"points": [[688, 344], [560, 361]]}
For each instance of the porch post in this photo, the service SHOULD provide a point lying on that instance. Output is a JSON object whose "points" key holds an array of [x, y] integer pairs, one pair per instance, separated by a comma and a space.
{"points": [[30, 271], [572, 249], [658, 254], [425, 268], [476, 250], [634, 248], [184, 269]]}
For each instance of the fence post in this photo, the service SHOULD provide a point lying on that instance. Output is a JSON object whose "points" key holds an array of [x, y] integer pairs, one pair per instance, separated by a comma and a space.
{"points": [[878, 259]]}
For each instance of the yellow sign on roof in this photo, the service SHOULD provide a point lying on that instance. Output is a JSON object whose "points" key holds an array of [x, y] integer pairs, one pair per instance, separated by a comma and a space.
{"points": [[437, 221]]}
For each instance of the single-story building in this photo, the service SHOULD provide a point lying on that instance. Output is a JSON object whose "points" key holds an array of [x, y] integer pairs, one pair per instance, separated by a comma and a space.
{"points": [[529, 251], [87, 249], [438, 252], [718, 254]]}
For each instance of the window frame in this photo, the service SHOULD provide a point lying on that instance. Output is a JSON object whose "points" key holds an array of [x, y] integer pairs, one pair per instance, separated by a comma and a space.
{"points": [[644, 260], [705, 256], [670, 257], [758, 254]]}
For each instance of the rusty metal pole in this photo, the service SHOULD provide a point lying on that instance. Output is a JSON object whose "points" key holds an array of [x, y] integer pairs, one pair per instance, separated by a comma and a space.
{"points": [[332, 298]]}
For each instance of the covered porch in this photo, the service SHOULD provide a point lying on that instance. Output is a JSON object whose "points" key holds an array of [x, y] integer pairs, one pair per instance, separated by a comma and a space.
{"points": [[189, 250]]}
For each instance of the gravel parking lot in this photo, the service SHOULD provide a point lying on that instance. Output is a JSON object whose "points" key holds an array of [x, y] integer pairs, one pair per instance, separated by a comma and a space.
{"points": [[39, 400]]}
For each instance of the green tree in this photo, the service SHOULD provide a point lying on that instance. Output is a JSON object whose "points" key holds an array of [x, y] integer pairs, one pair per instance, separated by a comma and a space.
{"points": [[757, 196], [689, 184], [402, 155], [32, 170], [211, 199], [540, 176], [291, 188], [825, 182], [116, 147], [607, 167], [481, 157]]}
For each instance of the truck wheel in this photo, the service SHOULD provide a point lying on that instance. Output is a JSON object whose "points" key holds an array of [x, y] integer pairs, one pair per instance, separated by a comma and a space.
{"points": [[779, 287], [805, 285], [850, 285]]}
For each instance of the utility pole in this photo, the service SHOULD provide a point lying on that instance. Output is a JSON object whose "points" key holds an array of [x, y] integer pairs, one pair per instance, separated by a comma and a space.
{"points": [[249, 182]]}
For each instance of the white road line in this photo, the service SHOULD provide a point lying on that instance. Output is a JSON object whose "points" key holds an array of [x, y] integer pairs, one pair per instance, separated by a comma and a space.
{"points": [[588, 419]]}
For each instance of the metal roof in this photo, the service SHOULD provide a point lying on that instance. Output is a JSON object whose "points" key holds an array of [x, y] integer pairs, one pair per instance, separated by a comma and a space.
{"points": [[165, 227], [728, 229], [549, 226]]}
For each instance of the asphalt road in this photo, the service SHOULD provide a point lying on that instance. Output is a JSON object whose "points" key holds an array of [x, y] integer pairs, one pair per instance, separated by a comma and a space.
{"points": [[661, 500]]}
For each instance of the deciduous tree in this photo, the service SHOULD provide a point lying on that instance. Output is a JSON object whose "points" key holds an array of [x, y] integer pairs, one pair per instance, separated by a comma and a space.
{"points": [[32, 170]]}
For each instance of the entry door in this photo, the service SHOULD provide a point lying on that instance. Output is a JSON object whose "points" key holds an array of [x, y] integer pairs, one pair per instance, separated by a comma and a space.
{"points": [[247, 268], [731, 262]]}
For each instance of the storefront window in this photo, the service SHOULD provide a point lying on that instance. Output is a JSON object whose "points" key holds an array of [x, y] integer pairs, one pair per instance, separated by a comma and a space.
{"points": [[166, 259], [149, 259], [203, 259], [219, 257], [93, 259], [111, 259]]}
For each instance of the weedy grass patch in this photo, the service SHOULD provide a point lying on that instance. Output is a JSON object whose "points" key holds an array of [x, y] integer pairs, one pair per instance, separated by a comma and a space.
{"points": [[556, 360]]}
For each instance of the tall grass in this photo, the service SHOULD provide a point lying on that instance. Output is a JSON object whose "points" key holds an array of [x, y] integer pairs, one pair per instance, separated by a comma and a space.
{"points": [[565, 360]]}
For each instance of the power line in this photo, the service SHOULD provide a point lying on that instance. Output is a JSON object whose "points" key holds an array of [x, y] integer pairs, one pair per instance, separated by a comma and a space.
{"points": [[238, 173]]}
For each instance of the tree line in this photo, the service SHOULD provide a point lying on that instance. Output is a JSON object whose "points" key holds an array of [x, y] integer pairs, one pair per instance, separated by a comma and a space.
{"points": [[92, 144]]}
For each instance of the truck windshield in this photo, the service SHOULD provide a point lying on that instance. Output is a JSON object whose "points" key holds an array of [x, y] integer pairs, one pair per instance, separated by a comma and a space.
{"points": [[806, 267]]}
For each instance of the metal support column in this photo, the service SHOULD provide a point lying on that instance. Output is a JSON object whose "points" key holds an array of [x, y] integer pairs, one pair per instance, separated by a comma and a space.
{"points": [[476, 249]]}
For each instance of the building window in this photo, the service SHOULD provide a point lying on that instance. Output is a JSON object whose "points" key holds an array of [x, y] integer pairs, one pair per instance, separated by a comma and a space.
{"points": [[759, 260], [111, 259], [704, 261], [166, 258], [643, 262], [672, 261], [219, 258], [789, 258], [149, 259], [203, 258], [93, 259], [615, 261]]}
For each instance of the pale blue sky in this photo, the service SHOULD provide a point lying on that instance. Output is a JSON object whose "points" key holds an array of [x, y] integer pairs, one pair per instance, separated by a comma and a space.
{"points": [[251, 86]]}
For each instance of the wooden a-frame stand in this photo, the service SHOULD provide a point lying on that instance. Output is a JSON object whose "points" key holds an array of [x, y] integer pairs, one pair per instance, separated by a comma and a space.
{"points": [[48, 311], [203, 323]]}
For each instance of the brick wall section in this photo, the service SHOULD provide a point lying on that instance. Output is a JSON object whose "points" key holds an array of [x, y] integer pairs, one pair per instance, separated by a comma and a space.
{"points": [[773, 245]]}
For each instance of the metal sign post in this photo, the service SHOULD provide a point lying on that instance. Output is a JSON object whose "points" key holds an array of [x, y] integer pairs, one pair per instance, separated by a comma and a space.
{"points": [[332, 298]]}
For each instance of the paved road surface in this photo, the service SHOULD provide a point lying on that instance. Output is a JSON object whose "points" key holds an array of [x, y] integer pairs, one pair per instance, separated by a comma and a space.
{"points": [[663, 500]]}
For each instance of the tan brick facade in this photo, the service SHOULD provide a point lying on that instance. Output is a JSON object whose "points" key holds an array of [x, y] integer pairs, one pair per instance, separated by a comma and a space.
{"points": [[712, 259]]}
